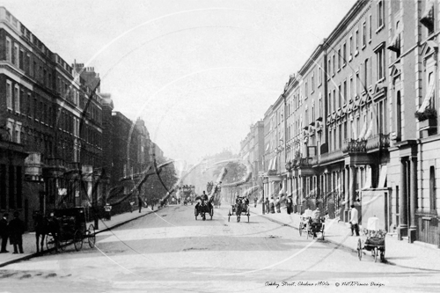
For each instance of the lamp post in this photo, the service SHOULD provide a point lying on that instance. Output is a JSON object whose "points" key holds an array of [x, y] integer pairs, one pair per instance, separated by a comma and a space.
{"points": [[262, 191], [289, 168]]}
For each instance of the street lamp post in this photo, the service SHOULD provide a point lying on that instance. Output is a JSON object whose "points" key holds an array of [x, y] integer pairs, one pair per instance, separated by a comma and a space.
{"points": [[262, 191], [289, 168]]}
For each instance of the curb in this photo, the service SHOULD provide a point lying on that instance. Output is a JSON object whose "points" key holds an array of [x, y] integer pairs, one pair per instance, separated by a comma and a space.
{"points": [[333, 242], [27, 257]]}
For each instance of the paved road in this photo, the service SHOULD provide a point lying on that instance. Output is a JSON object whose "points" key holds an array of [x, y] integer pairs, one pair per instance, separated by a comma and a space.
{"points": [[170, 251]]}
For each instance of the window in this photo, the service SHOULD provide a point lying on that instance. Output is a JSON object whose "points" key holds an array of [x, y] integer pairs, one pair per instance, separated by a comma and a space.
{"points": [[28, 102], [351, 87], [339, 59], [319, 75], [380, 61], [344, 97], [366, 77], [358, 82], [27, 64], [344, 53], [380, 15], [329, 68], [334, 100], [10, 128], [351, 48], [313, 82], [9, 95], [432, 189], [370, 22], [21, 60], [8, 50], [334, 65], [15, 55], [330, 100], [17, 99], [339, 96], [357, 42], [364, 34], [17, 132], [306, 91]]}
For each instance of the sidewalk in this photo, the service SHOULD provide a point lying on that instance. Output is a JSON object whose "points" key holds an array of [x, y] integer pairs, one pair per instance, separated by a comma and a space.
{"points": [[400, 253], [29, 241]]}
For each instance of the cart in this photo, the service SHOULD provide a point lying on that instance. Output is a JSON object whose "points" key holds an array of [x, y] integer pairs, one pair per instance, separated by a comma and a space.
{"points": [[311, 227], [374, 241], [72, 229], [241, 207]]}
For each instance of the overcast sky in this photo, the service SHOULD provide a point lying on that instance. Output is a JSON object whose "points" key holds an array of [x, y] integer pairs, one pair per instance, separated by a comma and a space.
{"points": [[198, 72]]}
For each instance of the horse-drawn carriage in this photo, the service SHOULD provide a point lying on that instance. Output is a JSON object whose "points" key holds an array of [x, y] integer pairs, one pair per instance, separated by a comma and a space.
{"points": [[72, 228], [241, 207], [202, 208]]}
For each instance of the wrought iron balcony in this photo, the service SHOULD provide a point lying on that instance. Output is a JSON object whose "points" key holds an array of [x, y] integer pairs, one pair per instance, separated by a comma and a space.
{"points": [[378, 142], [354, 146]]}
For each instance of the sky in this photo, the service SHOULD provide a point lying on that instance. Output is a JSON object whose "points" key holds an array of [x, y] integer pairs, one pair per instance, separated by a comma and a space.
{"points": [[199, 73]]}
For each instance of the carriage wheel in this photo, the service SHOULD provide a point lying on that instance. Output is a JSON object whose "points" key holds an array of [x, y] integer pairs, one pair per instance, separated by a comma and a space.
{"points": [[376, 253], [359, 249], [50, 242], [203, 217], [382, 255], [300, 227], [211, 213], [238, 218], [91, 236], [195, 213], [78, 240]]}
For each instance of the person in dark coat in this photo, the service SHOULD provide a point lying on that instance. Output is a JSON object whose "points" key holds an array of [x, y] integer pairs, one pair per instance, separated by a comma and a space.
{"points": [[4, 232], [16, 230]]}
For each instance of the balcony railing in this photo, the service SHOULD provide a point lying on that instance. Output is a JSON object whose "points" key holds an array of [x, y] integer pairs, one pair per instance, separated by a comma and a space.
{"points": [[354, 146], [379, 141]]}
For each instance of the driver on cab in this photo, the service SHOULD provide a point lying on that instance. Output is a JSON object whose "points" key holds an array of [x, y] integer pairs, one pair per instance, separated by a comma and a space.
{"points": [[203, 199]]}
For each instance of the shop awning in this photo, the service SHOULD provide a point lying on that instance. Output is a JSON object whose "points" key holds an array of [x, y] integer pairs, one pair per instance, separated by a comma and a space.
{"points": [[382, 176], [427, 18], [395, 42], [429, 95]]}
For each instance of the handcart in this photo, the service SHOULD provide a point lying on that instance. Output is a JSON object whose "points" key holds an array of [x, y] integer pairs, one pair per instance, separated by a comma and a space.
{"points": [[241, 207], [374, 241], [311, 227]]}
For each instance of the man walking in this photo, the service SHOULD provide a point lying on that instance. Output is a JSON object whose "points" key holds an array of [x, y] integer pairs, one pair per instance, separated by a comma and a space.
{"points": [[17, 228], [4, 232], [354, 220]]}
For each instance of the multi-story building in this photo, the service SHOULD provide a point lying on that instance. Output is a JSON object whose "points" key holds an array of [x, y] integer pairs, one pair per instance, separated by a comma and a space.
{"points": [[413, 169], [362, 119], [53, 111], [251, 152]]}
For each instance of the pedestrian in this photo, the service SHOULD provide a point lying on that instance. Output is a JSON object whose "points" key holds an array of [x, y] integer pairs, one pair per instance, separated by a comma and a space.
{"points": [[4, 232], [266, 205], [278, 204], [255, 202], [16, 230], [140, 203], [354, 220], [289, 204]]}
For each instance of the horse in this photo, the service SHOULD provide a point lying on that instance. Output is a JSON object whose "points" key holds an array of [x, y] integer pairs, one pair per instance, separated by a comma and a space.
{"points": [[44, 226]]}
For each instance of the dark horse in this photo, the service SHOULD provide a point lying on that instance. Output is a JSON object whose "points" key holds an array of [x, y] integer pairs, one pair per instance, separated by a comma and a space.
{"points": [[43, 227]]}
